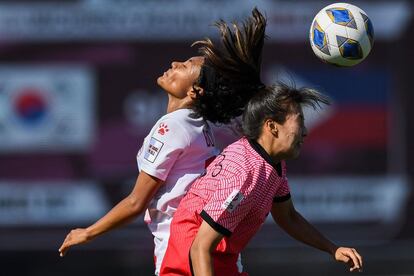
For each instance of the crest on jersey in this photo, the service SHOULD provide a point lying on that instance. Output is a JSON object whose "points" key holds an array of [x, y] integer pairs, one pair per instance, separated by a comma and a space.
{"points": [[153, 149], [163, 128], [232, 201]]}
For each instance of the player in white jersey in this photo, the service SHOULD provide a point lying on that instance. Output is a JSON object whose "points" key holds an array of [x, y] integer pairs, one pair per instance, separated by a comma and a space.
{"points": [[214, 87], [176, 152]]}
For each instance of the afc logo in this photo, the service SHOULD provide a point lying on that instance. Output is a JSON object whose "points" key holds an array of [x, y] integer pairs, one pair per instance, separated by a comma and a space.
{"points": [[234, 199]]}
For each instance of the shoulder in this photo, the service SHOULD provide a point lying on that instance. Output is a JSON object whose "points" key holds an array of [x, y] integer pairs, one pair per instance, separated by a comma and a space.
{"points": [[172, 127], [183, 118], [236, 159]]}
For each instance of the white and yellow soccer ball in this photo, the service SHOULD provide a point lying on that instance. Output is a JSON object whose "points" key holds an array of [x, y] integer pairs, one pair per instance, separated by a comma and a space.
{"points": [[341, 34]]}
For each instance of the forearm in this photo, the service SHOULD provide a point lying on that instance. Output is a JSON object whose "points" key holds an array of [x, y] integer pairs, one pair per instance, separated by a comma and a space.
{"points": [[126, 210], [123, 213], [201, 261], [130, 207], [300, 229]]}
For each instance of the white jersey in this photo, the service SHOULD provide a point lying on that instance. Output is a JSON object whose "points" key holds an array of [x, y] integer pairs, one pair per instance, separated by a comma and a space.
{"points": [[176, 151]]}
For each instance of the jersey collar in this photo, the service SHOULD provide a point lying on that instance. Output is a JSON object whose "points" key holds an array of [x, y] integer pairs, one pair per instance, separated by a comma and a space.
{"points": [[261, 151]]}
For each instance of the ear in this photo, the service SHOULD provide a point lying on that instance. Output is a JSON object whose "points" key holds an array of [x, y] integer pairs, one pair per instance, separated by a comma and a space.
{"points": [[271, 126], [195, 91]]}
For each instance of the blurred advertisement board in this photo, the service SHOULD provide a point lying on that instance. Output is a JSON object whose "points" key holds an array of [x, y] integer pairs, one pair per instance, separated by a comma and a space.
{"points": [[380, 200], [50, 203], [176, 20], [46, 108], [351, 199]]}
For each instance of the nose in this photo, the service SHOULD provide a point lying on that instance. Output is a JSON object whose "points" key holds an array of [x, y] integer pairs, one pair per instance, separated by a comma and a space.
{"points": [[174, 64]]}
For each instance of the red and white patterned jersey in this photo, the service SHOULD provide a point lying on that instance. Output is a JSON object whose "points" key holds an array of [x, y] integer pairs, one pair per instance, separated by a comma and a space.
{"points": [[234, 197], [175, 151]]}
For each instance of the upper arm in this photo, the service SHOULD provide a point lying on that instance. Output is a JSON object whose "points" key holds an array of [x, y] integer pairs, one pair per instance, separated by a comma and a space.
{"points": [[283, 211], [144, 190], [207, 238]]}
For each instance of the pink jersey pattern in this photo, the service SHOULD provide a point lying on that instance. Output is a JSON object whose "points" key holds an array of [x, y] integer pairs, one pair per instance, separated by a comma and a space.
{"points": [[234, 197]]}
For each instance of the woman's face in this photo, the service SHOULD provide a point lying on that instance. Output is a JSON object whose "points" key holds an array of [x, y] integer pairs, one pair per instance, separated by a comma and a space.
{"points": [[179, 79], [292, 133]]}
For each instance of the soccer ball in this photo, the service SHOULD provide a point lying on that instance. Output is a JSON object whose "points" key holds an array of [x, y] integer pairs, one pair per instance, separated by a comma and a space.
{"points": [[341, 34]]}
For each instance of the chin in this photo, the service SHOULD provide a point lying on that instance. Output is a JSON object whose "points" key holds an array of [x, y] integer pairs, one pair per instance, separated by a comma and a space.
{"points": [[159, 81]]}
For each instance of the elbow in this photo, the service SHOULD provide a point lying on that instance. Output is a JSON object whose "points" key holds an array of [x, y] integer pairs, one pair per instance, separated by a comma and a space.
{"points": [[198, 250], [195, 249], [136, 205], [195, 254]]}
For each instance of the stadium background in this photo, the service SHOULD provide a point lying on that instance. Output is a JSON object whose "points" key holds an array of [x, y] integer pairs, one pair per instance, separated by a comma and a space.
{"points": [[78, 94]]}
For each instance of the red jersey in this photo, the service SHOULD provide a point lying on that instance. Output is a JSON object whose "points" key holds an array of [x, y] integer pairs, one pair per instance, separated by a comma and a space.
{"points": [[234, 197]]}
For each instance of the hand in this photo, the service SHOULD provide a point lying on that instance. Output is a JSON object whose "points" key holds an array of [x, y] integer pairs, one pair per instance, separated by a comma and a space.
{"points": [[349, 256], [76, 236]]}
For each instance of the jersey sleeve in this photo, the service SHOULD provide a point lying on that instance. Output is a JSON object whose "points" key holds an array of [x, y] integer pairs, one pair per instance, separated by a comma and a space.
{"points": [[283, 192], [166, 144], [229, 205]]}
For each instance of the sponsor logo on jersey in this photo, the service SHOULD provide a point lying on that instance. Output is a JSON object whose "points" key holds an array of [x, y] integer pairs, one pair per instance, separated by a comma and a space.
{"points": [[153, 149], [232, 201], [162, 129]]}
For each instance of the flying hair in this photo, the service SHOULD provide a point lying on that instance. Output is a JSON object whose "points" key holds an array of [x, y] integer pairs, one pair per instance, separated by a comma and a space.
{"points": [[241, 53], [230, 75]]}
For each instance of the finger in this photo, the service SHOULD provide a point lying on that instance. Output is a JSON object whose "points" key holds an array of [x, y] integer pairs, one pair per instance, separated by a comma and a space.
{"points": [[354, 260], [358, 256], [353, 268], [62, 252], [345, 258], [64, 245], [64, 248], [357, 269]]}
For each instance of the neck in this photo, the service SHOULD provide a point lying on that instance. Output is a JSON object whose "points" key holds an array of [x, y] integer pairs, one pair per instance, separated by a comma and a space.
{"points": [[175, 103], [269, 144]]}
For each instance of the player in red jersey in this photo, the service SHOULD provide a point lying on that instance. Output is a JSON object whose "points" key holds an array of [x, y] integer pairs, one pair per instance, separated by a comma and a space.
{"points": [[226, 207]]}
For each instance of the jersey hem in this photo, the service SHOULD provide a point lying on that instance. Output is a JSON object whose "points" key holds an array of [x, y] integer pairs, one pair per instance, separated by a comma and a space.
{"points": [[222, 230], [282, 198], [153, 173]]}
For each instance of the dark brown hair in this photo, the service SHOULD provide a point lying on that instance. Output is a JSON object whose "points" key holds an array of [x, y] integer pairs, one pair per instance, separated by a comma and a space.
{"points": [[276, 102], [230, 75]]}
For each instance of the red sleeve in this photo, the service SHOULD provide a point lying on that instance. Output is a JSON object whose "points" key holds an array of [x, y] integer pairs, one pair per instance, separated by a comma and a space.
{"points": [[230, 204]]}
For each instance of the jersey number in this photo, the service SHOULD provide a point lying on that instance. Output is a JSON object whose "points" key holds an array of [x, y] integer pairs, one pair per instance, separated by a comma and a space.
{"points": [[218, 166]]}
